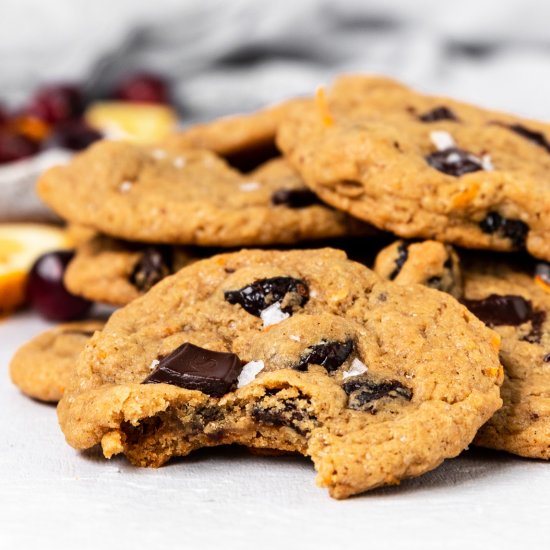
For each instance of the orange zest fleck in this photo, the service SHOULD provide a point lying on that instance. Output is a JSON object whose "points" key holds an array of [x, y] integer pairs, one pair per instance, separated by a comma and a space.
{"points": [[322, 107], [539, 281], [466, 196]]}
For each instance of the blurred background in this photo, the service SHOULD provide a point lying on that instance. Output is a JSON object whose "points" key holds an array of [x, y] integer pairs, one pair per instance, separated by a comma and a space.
{"points": [[228, 56]]}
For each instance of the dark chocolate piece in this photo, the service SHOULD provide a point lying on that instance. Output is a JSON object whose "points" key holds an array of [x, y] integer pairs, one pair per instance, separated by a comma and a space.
{"points": [[535, 334], [294, 198], [330, 355], [363, 393], [259, 295], [498, 309], [546, 358], [287, 414], [439, 113], [454, 161], [538, 138], [195, 368], [154, 264], [515, 230], [402, 257]]}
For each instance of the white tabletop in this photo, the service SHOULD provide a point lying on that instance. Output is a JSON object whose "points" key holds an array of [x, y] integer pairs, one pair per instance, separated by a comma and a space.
{"points": [[54, 497]]}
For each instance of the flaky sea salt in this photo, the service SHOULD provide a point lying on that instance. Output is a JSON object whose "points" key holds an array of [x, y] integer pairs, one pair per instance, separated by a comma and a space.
{"points": [[357, 368], [249, 373], [487, 163], [249, 186], [442, 140], [294, 337], [158, 154], [179, 162], [273, 314], [154, 364], [125, 186]]}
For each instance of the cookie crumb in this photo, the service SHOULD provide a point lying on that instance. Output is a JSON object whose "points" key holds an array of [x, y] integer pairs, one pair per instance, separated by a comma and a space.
{"points": [[154, 364]]}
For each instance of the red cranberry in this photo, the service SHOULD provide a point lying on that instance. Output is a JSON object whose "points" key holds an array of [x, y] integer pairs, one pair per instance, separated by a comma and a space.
{"points": [[56, 103], [3, 115], [15, 146], [75, 135], [143, 87], [46, 291]]}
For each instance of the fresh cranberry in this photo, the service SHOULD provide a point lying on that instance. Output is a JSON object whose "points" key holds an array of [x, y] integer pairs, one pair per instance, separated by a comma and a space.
{"points": [[46, 291], [3, 115], [15, 146], [72, 134], [143, 87], [56, 103]]}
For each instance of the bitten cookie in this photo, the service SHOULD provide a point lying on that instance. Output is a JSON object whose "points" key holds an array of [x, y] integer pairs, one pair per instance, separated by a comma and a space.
{"points": [[302, 351], [192, 197], [425, 167], [42, 367], [510, 297]]}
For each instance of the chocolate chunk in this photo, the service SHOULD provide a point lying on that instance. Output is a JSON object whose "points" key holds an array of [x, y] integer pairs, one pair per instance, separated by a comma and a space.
{"points": [[454, 161], [498, 309], [327, 354], [364, 393], [515, 230], [146, 427], [546, 358], [195, 368], [154, 264], [294, 198], [439, 113], [538, 138], [402, 257], [259, 295], [434, 282]]}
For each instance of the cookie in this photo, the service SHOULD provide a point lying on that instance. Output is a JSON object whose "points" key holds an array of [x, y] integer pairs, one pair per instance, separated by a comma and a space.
{"points": [[244, 141], [425, 167], [429, 263], [302, 351], [42, 367], [116, 272], [515, 302], [193, 197]]}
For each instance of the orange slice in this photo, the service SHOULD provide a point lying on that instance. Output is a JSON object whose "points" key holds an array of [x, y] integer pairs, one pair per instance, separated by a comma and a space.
{"points": [[139, 122], [20, 245]]}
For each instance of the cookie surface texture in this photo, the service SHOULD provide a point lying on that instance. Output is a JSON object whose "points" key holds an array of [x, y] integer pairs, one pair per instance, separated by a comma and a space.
{"points": [[425, 167], [189, 197], [318, 356]]}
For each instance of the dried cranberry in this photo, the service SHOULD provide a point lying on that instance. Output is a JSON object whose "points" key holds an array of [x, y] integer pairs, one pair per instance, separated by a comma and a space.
{"points": [[454, 162], [154, 264], [16, 146], [515, 230], [294, 198], [538, 138], [143, 88], [3, 115], [402, 257], [257, 296], [56, 103], [46, 291], [75, 135], [328, 354], [363, 393], [438, 113]]}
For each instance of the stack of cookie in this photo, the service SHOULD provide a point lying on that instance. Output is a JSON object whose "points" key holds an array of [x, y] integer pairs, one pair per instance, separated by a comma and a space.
{"points": [[294, 347]]}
